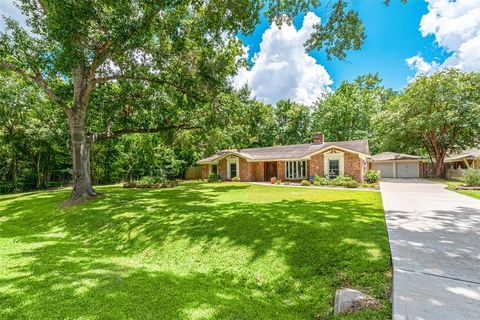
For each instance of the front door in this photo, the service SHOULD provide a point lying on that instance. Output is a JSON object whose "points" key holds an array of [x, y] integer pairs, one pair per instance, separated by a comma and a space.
{"points": [[270, 170]]}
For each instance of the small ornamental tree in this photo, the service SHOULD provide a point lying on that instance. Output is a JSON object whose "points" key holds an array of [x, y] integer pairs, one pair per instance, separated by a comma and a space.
{"points": [[169, 58], [439, 113]]}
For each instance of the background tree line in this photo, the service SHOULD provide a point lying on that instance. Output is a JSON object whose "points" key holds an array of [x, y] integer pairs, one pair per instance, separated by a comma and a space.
{"points": [[432, 116]]}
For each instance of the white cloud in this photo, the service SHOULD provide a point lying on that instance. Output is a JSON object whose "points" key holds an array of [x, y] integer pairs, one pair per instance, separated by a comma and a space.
{"points": [[456, 27], [282, 69]]}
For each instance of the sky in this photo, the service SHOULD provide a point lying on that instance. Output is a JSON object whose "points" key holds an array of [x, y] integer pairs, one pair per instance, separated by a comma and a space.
{"points": [[403, 41]]}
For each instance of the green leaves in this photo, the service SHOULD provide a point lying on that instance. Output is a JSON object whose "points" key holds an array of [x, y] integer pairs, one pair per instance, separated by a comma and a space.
{"points": [[343, 31], [438, 113], [346, 113]]}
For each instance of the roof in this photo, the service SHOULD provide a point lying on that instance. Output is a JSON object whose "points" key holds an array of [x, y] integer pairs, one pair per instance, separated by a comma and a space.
{"points": [[391, 156], [468, 154], [294, 151]]}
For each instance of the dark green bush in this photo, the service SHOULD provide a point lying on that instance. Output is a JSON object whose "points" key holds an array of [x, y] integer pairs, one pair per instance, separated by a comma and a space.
{"points": [[213, 177], [372, 176], [344, 182], [472, 177], [320, 181]]}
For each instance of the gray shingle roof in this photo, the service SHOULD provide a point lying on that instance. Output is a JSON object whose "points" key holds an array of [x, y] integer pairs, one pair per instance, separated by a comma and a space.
{"points": [[386, 156], [294, 151], [468, 154]]}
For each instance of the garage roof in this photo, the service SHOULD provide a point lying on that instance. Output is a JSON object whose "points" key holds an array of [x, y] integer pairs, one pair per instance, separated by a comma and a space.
{"points": [[391, 156]]}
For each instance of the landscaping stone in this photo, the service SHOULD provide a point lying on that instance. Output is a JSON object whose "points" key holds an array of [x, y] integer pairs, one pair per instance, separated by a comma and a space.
{"points": [[350, 300], [464, 187]]}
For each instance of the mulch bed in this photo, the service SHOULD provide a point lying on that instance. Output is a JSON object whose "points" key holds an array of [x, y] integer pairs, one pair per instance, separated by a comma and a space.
{"points": [[166, 184], [467, 188]]}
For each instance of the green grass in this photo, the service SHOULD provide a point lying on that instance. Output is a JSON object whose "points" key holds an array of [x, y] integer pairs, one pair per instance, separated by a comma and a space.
{"points": [[199, 251], [451, 184]]}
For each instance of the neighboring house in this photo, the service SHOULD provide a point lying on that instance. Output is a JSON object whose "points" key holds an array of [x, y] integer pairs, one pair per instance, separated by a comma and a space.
{"points": [[396, 165], [291, 162], [455, 165]]}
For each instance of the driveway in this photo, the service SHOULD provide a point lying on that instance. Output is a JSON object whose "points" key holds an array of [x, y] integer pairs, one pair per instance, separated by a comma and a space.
{"points": [[435, 242]]}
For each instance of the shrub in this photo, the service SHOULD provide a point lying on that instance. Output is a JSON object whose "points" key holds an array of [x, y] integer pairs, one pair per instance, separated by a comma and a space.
{"points": [[213, 177], [305, 183], [372, 176], [351, 184], [236, 179], [279, 181], [151, 180], [286, 183], [273, 180], [472, 177], [320, 181], [344, 182]]}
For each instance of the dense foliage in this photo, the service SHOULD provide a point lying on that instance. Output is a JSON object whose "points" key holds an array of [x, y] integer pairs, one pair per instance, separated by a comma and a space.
{"points": [[142, 66], [437, 115]]}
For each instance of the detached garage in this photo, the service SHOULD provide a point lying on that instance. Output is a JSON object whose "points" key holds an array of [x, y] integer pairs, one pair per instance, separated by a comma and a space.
{"points": [[396, 165]]}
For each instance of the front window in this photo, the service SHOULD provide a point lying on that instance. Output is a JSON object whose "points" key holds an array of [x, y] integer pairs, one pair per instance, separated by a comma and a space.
{"points": [[214, 168], [333, 168], [296, 169], [233, 170]]}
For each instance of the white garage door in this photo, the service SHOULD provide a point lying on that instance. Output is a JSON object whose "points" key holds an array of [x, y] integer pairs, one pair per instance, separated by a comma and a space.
{"points": [[385, 168], [407, 169]]}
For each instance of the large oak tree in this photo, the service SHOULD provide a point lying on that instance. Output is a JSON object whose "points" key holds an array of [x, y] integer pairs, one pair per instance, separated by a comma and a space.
{"points": [[439, 113], [177, 55]]}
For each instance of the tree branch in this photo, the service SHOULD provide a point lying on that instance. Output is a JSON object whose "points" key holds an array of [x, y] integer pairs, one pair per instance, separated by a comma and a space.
{"points": [[144, 78], [98, 136], [38, 79], [102, 52]]}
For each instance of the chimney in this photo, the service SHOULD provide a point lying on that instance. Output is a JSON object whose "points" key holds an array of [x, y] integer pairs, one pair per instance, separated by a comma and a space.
{"points": [[318, 138]]}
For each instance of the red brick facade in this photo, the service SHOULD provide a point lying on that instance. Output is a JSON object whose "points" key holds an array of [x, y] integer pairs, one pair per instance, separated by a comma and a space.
{"points": [[281, 170], [354, 167], [222, 169], [316, 165], [205, 171]]}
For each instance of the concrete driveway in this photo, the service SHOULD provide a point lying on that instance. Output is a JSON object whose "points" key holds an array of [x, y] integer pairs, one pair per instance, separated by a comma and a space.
{"points": [[435, 242]]}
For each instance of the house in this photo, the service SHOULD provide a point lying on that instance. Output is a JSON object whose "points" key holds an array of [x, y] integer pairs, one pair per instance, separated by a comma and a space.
{"points": [[455, 165], [291, 162], [396, 165]]}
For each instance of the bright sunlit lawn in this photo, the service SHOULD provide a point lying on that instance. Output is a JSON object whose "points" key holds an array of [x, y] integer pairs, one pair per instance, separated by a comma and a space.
{"points": [[199, 251], [451, 184]]}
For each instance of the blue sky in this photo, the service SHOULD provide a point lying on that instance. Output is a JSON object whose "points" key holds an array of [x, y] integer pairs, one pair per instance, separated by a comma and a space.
{"points": [[403, 41], [392, 36]]}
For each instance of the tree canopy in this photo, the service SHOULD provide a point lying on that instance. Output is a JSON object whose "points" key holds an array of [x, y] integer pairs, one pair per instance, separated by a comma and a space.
{"points": [[154, 66], [439, 114], [345, 113]]}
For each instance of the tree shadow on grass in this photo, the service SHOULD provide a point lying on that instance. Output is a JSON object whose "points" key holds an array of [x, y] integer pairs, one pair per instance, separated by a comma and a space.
{"points": [[188, 253]]}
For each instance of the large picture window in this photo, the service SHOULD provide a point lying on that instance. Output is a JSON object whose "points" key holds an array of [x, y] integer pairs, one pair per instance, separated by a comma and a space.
{"points": [[296, 169]]}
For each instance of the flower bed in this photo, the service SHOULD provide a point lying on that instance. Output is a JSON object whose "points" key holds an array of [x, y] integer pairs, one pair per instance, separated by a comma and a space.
{"points": [[147, 185]]}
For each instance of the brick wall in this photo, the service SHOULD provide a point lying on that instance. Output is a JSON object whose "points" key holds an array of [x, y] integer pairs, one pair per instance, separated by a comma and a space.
{"points": [[281, 170], [222, 169], [316, 165], [205, 171], [353, 166], [245, 173], [258, 170]]}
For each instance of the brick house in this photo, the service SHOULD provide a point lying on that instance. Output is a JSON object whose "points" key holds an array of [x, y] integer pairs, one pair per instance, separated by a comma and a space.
{"points": [[291, 162]]}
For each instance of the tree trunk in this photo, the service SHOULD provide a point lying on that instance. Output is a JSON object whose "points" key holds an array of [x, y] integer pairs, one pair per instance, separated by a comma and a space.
{"points": [[81, 144], [438, 166], [14, 173]]}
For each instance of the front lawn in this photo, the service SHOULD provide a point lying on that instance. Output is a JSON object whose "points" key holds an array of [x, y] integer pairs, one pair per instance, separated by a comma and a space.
{"points": [[451, 184], [199, 251]]}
